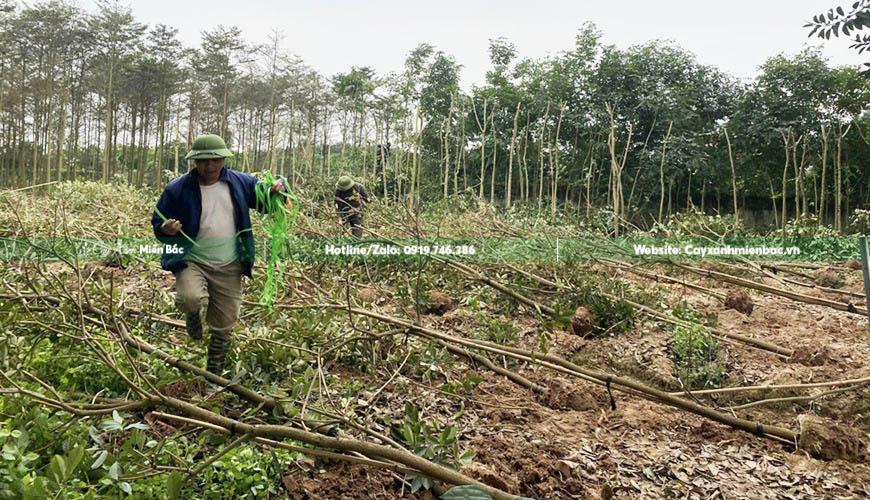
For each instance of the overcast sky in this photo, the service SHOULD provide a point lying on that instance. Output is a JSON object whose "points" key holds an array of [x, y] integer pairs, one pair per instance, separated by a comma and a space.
{"points": [[333, 35]]}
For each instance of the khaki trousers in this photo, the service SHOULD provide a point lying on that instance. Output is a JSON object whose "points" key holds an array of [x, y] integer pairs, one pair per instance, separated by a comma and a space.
{"points": [[219, 288]]}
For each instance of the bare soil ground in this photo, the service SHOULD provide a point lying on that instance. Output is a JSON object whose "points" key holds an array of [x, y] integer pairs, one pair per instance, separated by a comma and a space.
{"points": [[570, 444]]}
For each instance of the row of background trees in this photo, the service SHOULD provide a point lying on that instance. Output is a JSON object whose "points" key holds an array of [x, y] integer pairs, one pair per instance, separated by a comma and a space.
{"points": [[641, 132]]}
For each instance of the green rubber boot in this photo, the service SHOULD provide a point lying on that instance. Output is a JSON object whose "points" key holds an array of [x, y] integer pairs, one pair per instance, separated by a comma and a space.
{"points": [[194, 326]]}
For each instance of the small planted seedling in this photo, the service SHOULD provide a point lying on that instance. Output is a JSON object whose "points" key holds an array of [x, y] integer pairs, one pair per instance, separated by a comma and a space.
{"points": [[438, 444], [696, 355]]}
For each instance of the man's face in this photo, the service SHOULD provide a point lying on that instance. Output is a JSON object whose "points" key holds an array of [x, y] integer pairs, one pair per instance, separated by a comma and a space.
{"points": [[209, 169]]}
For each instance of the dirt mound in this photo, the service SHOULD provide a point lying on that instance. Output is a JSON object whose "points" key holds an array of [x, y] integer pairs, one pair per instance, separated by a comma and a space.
{"points": [[855, 265], [664, 368], [439, 303], [561, 395], [582, 322], [108, 270], [740, 301], [827, 440], [486, 475], [528, 470], [368, 295], [789, 375], [344, 480], [811, 356], [827, 277], [566, 344], [656, 369], [183, 388]]}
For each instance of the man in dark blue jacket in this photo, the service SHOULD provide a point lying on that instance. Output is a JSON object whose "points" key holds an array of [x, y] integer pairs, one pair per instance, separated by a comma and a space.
{"points": [[202, 218]]}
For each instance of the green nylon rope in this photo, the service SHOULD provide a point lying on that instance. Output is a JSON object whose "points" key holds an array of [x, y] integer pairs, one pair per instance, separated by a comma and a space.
{"points": [[160, 214], [278, 222]]}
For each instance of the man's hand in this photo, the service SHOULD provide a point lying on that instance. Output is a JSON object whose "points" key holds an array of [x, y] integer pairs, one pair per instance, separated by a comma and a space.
{"points": [[170, 227], [277, 187]]}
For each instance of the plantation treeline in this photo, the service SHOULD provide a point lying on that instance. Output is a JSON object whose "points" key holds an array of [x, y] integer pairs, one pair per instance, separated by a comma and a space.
{"points": [[639, 132]]}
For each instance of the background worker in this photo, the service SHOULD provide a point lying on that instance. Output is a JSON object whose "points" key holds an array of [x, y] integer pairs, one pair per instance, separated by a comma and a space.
{"points": [[350, 199]]}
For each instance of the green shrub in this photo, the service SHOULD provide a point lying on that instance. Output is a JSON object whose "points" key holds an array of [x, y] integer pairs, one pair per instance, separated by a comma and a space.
{"points": [[432, 362], [860, 221], [495, 330], [696, 355], [686, 312], [246, 472], [104, 209], [808, 226], [60, 364], [609, 315], [439, 444]]}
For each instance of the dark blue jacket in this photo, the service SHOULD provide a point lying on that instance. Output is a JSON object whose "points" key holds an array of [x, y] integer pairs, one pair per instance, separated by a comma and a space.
{"points": [[182, 200]]}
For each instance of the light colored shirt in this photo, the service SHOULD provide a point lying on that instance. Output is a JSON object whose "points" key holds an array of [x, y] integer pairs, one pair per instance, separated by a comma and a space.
{"points": [[216, 242]]}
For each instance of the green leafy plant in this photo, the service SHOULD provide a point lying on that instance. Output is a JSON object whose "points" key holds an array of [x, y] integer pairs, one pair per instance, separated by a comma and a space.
{"points": [[61, 364], [37, 465], [860, 221], [246, 472], [433, 361], [846, 23], [687, 312], [495, 330], [610, 313], [115, 441], [437, 443], [808, 226], [16, 462], [696, 355], [464, 385]]}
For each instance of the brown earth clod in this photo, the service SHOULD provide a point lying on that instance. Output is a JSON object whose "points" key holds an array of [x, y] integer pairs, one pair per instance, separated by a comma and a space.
{"points": [[829, 278], [344, 480], [788, 375], [439, 303], [485, 474], [854, 265], [368, 295], [827, 440], [811, 356], [740, 301], [563, 396], [581, 323], [534, 472]]}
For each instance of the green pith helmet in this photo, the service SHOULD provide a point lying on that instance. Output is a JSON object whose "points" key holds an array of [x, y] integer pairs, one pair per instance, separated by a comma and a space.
{"points": [[344, 183], [207, 146]]}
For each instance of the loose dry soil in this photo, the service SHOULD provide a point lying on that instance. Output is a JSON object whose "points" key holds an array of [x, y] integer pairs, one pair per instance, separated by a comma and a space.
{"points": [[570, 444]]}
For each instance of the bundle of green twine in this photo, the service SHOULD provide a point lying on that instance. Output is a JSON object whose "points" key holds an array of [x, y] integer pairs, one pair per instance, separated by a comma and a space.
{"points": [[278, 222]]}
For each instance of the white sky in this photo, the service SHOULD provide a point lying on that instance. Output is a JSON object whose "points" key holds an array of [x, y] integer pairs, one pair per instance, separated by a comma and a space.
{"points": [[333, 35]]}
